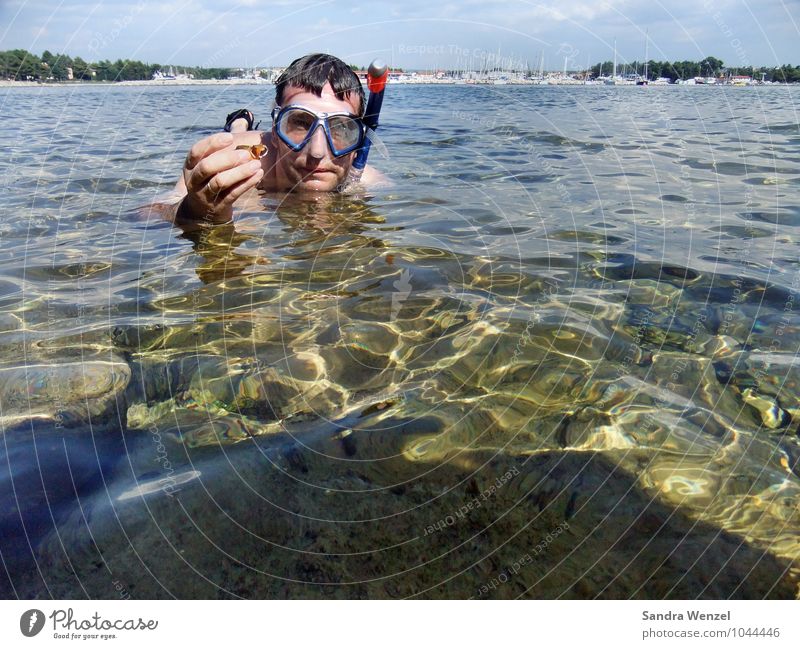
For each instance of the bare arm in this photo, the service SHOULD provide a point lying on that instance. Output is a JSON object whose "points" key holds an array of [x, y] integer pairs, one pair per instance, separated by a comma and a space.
{"points": [[214, 176]]}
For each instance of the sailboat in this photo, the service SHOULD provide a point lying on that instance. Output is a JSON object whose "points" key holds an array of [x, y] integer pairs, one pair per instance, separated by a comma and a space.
{"points": [[541, 68], [612, 80], [643, 81], [169, 75], [499, 78]]}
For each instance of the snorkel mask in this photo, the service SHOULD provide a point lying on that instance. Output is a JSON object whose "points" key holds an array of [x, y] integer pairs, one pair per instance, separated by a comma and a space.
{"points": [[296, 124]]}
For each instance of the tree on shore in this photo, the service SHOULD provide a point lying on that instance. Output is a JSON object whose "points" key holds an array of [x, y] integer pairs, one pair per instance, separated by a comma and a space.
{"points": [[708, 67], [21, 65]]}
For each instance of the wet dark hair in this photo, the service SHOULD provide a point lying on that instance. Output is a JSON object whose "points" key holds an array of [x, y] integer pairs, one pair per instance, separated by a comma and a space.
{"points": [[312, 71]]}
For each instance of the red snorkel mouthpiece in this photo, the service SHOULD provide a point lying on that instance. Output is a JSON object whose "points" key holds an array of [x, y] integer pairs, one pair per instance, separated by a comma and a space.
{"points": [[377, 74]]}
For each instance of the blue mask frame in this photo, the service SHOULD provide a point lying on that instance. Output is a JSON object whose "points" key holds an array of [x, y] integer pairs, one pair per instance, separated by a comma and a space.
{"points": [[320, 119]]}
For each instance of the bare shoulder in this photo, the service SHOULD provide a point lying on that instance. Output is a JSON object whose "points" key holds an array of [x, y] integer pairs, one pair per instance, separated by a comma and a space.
{"points": [[373, 178]]}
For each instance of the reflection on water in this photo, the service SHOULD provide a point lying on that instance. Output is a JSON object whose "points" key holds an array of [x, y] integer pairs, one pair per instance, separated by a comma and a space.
{"points": [[551, 339]]}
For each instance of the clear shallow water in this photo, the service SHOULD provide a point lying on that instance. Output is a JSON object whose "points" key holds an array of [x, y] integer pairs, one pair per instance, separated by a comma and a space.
{"points": [[556, 359]]}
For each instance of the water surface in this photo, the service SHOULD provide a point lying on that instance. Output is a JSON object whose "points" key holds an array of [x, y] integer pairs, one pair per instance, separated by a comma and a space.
{"points": [[555, 359]]}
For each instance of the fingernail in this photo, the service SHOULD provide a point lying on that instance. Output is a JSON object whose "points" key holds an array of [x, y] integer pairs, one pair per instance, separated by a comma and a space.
{"points": [[244, 156], [255, 165]]}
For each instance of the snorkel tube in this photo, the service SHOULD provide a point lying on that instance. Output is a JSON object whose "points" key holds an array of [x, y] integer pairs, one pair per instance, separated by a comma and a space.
{"points": [[377, 76]]}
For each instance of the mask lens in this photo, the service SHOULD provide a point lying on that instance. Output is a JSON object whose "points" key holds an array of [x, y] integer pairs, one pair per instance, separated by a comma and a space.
{"points": [[295, 124], [345, 131]]}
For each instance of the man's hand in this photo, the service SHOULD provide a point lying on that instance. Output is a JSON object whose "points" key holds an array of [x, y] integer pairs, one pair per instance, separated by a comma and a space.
{"points": [[216, 175]]}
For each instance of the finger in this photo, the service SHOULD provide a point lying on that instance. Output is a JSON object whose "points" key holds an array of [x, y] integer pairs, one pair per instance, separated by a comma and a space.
{"points": [[237, 190], [224, 180], [207, 146], [216, 163]]}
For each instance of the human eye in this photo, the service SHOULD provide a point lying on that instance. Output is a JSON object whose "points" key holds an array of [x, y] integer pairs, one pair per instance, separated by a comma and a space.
{"points": [[299, 120], [344, 129]]}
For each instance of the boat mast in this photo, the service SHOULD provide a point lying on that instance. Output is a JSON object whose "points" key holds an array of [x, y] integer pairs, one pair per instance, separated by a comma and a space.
{"points": [[614, 76], [646, 42]]}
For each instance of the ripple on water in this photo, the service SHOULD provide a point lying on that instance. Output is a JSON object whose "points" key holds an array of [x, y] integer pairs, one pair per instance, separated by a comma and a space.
{"points": [[785, 215], [332, 377]]}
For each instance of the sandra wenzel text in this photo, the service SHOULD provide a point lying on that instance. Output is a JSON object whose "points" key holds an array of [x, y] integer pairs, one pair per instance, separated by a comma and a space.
{"points": [[688, 615]]}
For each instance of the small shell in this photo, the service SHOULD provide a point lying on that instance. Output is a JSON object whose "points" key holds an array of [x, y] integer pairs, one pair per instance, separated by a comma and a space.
{"points": [[257, 151]]}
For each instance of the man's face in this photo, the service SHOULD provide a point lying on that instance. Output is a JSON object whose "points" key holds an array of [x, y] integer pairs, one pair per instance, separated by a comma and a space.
{"points": [[314, 168]]}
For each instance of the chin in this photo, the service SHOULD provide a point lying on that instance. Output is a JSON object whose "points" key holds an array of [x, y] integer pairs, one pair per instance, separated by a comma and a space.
{"points": [[324, 183]]}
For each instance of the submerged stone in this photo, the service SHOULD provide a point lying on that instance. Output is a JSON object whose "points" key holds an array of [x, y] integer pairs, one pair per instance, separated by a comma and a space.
{"points": [[68, 393], [772, 415]]}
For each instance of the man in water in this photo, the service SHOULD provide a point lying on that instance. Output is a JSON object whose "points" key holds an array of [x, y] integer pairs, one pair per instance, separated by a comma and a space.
{"points": [[317, 90]]}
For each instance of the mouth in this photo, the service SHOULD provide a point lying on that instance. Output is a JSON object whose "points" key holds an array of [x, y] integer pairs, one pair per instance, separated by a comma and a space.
{"points": [[314, 171]]}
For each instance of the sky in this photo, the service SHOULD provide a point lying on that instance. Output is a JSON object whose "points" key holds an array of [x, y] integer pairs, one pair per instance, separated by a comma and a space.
{"points": [[413, 34]]}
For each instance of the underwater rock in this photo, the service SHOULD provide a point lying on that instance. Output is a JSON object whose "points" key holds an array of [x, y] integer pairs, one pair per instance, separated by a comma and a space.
{"points": [[159, 377], [375, 337], [719, 347], [214, 387], [650, 293], [772, 415], [776, 375], [558, 383], [67, 393], [353, 367], [696, 379], [270, 395], [139, 339]]}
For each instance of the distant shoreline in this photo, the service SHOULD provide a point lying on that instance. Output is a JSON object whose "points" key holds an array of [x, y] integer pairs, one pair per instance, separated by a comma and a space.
{"points": [[252, 82], [145, 82]]}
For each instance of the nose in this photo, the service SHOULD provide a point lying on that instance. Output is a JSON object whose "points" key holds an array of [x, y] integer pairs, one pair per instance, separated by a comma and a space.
{"points": [[317, 145]]}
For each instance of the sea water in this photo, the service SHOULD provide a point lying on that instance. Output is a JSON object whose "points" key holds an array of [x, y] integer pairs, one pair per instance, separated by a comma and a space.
{"points": [[556, 358]]}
